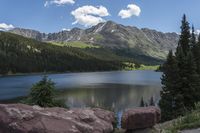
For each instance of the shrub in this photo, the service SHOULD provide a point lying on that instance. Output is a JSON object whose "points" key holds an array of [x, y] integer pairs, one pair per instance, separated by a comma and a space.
{"points": [[43, 94]]}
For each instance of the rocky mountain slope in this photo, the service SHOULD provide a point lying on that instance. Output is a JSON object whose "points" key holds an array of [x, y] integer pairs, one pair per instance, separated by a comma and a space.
{"points": [[115, 36]]}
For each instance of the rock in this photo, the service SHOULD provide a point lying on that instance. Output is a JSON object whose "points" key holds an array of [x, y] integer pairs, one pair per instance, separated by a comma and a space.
{"points": [[20, 118], [140, 118]]}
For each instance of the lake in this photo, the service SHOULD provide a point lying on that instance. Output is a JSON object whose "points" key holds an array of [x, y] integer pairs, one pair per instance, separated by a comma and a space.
{"points": [[116, 90]]}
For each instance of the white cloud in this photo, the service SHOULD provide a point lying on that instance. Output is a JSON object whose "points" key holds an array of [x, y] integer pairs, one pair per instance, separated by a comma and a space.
{"points": [[197, 32], [89, 15], [64, 29], [6, 27], [59, 2], [132, 10]]}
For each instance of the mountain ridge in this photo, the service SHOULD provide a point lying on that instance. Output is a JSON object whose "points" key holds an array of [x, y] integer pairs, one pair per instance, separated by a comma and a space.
{"points": [[18, 29], [109, 34]]}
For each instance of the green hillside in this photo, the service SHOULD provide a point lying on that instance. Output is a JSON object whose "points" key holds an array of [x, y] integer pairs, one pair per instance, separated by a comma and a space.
{"points": [[109, 54], [22, 55], [76, 44]]}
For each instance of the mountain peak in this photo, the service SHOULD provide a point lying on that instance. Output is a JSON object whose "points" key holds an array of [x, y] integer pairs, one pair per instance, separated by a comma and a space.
{"points": [[23, 29], [111, 22], [29, 33], [76, 29]]}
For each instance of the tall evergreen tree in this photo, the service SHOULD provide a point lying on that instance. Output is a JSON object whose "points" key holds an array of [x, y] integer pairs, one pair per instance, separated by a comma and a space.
{"points": [[181, 80], [196, 53], [193, 38], [183, 48], [185, 35], [191, 86], [186, 63], [171, 99], [189, 78]]}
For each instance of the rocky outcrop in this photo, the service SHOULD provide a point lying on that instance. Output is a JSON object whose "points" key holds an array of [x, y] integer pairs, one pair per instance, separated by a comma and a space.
{"points": [[29, 33], [140, 118], [20, 118]]}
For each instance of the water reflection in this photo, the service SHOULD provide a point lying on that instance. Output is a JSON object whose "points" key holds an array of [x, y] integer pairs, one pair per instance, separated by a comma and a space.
{"points": [[110, 96], [107, 89]]}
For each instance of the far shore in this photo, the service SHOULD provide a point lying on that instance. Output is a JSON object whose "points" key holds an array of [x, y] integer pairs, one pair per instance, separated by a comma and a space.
{"points": [[49, 73]]}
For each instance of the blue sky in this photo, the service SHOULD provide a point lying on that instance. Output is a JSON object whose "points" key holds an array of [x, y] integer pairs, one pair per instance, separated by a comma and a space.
{"points": [[55, 15]]}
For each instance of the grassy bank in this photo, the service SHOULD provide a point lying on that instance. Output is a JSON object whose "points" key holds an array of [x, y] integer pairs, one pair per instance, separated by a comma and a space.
{"points": [[132, 66], [190, 120]]}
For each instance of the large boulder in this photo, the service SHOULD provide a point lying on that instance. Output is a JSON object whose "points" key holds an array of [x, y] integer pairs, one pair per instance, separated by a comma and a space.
{"points": [[140, 118], [20, 118]]}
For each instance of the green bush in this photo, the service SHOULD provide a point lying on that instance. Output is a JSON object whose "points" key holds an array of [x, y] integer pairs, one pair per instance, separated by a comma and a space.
{"points": [[43, 94]]}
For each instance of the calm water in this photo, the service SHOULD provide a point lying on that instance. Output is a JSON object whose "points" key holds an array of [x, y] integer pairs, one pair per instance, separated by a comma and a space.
{"points": [[115, 90]]}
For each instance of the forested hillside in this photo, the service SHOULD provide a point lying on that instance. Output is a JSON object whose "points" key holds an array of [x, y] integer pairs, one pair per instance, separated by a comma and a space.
{"points": [[22, 55]]}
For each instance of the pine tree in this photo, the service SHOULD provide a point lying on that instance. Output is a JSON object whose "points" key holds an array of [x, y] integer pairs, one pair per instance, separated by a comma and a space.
{"points": [[196, 53], [42, 94], [187, 66], [142, 104], [152, 103], [171, 99], [193, 39], [181, 80], [183, 49], [185, 36], [192, 83], [189, 78]]}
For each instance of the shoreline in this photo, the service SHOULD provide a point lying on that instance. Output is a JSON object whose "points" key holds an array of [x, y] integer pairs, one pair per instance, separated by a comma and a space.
{"points": [[50, 73]]}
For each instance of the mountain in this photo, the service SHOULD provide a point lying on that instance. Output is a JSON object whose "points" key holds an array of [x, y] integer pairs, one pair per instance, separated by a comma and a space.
{"points": [[29, 33], [142, 42]]}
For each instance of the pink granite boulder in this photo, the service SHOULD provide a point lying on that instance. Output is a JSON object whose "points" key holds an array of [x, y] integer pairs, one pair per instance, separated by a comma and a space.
{"points": [[140, 118], [20, 118]]}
